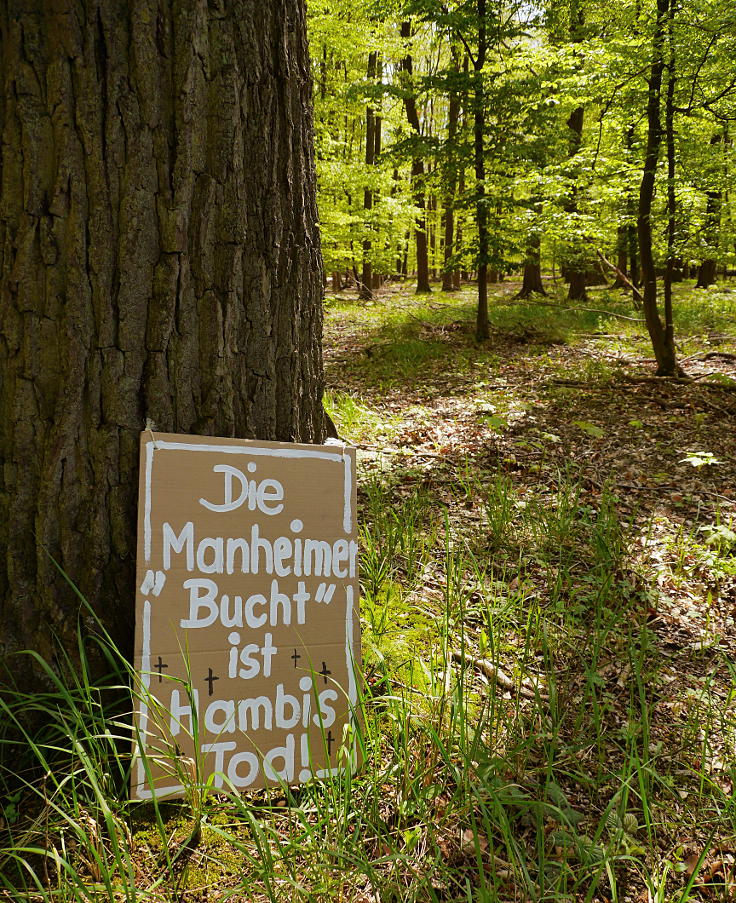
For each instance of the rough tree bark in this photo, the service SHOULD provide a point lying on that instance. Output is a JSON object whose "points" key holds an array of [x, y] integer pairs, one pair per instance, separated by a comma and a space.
{"points": [[159, 258]]}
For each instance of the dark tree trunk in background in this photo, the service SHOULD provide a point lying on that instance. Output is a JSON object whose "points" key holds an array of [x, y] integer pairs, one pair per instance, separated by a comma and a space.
{"points": [[708, 267], [481, 209], [377, 139], [417, 171], [707, 273], [457, 276], [622, 257], [532, 281], [453, 116], [575, 265], [661, 334], [673, 267], [159, 258], [432, 232], [628, 249], [366, 279]]}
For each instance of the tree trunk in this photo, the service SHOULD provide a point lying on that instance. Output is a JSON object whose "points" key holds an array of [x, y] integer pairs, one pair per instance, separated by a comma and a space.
{"points": [[481, 210], [366, 279], [674, 265], [707, 273], [432, 230], [575, 264], [458, 275], [622, 257], [377, 139], [577, 290], [661, 335], [159, 258], [417, 172], [449, 268], [708, 267], [532, 281], [631, 227]]}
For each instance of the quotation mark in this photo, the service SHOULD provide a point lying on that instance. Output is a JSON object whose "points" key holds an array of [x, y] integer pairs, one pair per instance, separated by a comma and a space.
{"points": [[153, 583], [324, 593]]}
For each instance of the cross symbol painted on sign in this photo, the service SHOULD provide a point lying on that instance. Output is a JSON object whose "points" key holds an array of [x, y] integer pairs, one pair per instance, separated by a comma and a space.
{"points": [[330, 740], [295, 657], [324, 672], [160, 666], [210, 679]]}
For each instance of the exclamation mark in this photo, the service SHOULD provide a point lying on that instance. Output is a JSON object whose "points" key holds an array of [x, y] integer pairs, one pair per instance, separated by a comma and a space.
{"points": [[306, 773]]}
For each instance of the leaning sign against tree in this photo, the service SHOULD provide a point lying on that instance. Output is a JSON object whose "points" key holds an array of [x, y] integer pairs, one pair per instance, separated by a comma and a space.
{"points": [[247, 632]]}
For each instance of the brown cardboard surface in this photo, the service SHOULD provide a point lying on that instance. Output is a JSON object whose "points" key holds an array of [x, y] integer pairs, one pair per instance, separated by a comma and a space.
{"points": [[247, 624]]}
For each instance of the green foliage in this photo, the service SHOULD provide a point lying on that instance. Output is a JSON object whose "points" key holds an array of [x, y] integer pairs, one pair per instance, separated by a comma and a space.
{"points": [[545, 62]]}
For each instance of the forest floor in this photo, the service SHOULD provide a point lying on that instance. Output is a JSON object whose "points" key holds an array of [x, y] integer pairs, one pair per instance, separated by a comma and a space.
{"points": [[597, 505], [548, 578]]}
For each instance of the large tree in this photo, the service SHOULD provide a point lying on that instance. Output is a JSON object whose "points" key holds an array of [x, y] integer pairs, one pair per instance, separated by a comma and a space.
{"points": [[159, 259]]}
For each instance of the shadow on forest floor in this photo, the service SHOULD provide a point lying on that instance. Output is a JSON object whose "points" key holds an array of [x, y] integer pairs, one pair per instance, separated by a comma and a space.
{"points": [[593, 499], [548, 594]]}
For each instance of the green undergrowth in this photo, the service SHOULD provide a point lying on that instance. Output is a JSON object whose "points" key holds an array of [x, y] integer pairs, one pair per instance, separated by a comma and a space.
{"points": [[509, 739], [548, 703], [397, 341]]}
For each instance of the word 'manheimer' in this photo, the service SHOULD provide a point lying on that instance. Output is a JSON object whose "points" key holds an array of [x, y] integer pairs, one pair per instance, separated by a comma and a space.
{"points": [[282, 556]]}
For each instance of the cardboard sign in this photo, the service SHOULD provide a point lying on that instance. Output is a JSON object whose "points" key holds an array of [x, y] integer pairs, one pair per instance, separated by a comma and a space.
{"points": [[247, 629]]}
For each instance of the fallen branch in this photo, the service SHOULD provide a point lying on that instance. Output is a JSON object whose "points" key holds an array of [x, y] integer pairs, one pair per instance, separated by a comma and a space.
{"points": [[709, 355], [526, 688], [624, 278], [587, 310], [680, 380]]}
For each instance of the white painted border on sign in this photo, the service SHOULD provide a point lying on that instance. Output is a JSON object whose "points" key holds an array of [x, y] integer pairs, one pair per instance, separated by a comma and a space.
{"points": [[160, 444]]}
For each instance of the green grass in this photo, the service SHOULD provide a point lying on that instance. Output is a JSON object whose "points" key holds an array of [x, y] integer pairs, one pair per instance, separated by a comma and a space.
{"points": [[468, 790], [598, 762]]}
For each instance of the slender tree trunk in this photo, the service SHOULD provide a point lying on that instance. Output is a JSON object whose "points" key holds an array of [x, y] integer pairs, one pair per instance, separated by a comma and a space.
{"points": [[660, 333], [481, 210], [672, 263], [366, 280], [159, 258], [575, 265], [631, 229], [377, 141], [709, 266], [622, 257], [458, 275], [405, 257], [417, 171], [453, 116], [432, 210]]}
